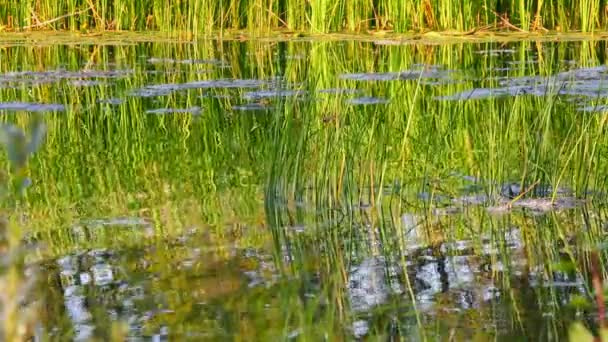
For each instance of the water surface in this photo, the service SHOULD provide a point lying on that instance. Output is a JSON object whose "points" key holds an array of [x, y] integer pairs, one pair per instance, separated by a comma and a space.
{"points": [[313, 190]]}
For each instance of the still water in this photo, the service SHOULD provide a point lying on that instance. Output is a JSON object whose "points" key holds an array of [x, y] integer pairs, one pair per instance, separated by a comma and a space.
{"points": [[312, 190]]}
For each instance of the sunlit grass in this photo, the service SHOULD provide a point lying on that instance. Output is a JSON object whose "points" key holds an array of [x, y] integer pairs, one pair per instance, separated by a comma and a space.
{"points": [[313, 16]]}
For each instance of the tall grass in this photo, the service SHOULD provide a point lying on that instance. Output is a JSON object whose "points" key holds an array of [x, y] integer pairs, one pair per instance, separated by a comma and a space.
{"points": [[302, 15]]}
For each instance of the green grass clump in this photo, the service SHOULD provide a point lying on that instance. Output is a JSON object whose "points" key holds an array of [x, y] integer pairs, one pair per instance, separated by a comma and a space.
{"points": [[303, 15]]}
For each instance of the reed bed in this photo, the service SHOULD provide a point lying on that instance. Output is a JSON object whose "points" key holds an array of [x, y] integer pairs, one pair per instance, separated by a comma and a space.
{"points": [[303, 15]]}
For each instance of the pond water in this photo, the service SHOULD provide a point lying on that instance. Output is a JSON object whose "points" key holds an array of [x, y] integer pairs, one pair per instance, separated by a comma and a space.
{"points": [[312, 190]]}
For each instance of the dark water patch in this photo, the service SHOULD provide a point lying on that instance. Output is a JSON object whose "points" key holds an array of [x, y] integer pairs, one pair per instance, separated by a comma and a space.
{"points": [[31, 107], [366, 100], [161, 111]]}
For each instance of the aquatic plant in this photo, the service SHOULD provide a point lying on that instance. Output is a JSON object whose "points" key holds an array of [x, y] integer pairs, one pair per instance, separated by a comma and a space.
{"points": [[302, 15]]}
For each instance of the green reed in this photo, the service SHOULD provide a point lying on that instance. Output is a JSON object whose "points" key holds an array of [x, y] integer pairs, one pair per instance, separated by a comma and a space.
{"points": [[301, 15]]}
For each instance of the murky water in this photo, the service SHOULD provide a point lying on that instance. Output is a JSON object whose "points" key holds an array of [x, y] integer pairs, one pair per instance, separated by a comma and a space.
{"points": [[312, 190]]}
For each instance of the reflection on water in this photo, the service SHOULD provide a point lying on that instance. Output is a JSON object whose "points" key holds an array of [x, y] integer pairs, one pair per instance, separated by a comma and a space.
{"points": [[188, 280], [367, 100], [31, 107], [325, 190]]}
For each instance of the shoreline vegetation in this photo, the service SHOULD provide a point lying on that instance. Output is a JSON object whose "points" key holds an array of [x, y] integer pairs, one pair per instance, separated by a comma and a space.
{"points": [[315, 16], [46, 38]]}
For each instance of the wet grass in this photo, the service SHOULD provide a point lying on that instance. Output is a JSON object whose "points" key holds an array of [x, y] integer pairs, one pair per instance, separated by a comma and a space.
{"points": [[259, 223], [301, 15]]}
